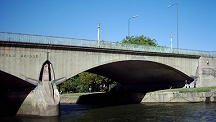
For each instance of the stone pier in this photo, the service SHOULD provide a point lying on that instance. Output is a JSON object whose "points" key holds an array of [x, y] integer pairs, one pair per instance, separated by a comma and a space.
{"points": [[44, 99]]}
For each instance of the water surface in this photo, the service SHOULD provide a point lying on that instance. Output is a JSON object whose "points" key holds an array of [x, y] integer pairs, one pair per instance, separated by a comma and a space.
{"points": [[144, 112]]}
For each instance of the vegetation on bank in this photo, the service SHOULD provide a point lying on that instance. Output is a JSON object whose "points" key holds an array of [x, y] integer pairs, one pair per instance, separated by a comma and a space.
{"points": [[180, 90], [87, 82], [185, 90], [74, 94]]}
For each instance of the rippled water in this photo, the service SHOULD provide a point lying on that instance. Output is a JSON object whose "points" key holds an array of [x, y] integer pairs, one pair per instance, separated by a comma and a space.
{"points": [[145, 112]]}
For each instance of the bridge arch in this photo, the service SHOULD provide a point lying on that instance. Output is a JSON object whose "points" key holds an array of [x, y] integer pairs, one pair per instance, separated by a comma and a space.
{"points": [[142, 73], [79, 61], [69, 61]]}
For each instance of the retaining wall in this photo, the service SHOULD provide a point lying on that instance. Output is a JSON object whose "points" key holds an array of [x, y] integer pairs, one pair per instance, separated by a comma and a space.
{"points": [[160, 96], [180, 97]]}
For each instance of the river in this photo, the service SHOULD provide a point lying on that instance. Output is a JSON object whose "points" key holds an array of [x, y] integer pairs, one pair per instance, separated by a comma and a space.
{"points": [[144, 112]]}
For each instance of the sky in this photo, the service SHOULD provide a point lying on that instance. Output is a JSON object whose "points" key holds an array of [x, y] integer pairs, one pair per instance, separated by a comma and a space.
{"points": [[79, 19]]}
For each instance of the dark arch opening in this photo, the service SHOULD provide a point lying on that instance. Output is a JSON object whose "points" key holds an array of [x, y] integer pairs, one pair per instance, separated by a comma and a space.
{"points": [[145, 75], [13, 92]]}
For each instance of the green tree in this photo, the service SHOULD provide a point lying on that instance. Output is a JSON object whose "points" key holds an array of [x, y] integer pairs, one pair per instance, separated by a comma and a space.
{"points": [[141, 40], [96, 82], [84, 80], [70, 85]]}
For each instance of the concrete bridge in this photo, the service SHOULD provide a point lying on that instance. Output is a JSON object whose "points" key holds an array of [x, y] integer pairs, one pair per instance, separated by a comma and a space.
{"points": [[138, 68]]}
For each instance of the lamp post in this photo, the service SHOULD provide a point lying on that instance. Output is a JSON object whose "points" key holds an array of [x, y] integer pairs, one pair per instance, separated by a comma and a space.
{"points": [[129, 24], [98, 40], [171, 48], [171, 41], [176, 19]]}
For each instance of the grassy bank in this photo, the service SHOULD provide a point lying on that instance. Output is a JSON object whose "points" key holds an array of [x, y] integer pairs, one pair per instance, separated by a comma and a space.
{"points": [[185, 90], [180, 90], [74, 94]]}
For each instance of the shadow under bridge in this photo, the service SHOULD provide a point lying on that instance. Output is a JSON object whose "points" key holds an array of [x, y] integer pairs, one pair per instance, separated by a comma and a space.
{"points": [[137, 76]]}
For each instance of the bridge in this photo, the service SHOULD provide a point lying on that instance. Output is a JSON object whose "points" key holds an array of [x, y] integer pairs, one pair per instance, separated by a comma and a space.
{"points": [[26, 58]]}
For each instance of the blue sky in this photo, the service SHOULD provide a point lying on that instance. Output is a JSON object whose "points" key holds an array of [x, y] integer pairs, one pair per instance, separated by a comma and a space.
{"points": [[79, 19]]}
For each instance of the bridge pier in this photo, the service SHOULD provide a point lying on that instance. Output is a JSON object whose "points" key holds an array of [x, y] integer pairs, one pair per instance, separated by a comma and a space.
{"points": [[44, 99]]}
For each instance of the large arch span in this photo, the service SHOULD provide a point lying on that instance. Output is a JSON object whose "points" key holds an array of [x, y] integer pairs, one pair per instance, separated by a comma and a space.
{"points": [[148, 75], [125, 72], [25, 60]]}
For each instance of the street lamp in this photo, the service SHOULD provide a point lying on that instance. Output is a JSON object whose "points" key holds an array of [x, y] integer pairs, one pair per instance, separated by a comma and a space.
{"points": [[129, 24], [176, 19], [98, 41]]}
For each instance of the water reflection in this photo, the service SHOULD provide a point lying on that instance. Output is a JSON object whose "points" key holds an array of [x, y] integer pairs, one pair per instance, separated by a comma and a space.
{"points": [[30, 119], [145, 112]]}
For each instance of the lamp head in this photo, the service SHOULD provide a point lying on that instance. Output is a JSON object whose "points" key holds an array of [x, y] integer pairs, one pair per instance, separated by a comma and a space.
{"points": [[172, 5], [135, 16], [169, 6]]}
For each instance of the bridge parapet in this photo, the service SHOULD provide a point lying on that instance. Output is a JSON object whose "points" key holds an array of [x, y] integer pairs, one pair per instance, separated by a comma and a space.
{"points": [[29, 38]]}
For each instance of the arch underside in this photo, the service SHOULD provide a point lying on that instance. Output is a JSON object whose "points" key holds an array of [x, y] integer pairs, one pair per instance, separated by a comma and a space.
{"points": [[143, 75], [13, 92]]}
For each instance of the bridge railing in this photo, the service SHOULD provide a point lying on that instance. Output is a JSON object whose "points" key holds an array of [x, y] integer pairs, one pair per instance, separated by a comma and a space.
{"points": [[29, 38], [159, 49]]}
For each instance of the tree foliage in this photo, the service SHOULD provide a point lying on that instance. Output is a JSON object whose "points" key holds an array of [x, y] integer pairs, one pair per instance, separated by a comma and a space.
{"points": [[141, 40], [83, 81]]}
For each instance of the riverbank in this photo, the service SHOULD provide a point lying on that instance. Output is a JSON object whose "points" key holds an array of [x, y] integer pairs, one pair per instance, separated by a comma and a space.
{"points": [[206, 94], [164, 96]]}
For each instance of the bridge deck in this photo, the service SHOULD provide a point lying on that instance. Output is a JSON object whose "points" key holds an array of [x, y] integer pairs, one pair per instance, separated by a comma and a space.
{"points": [[40, 39]]}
